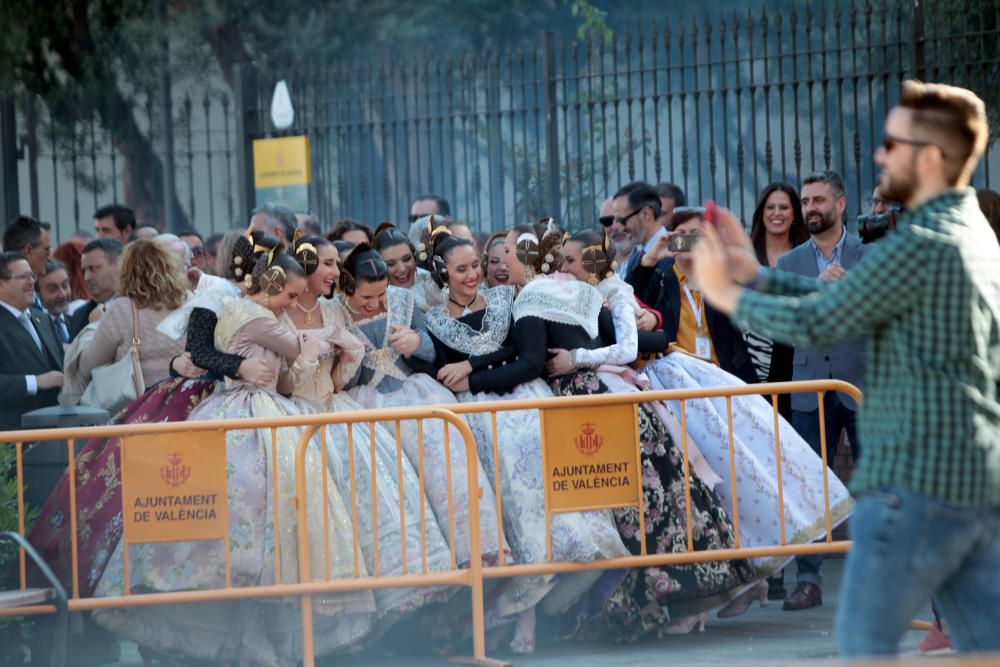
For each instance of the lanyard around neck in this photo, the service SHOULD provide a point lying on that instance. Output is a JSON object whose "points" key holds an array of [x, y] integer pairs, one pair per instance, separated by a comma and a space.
{"points": [[697, 308]]}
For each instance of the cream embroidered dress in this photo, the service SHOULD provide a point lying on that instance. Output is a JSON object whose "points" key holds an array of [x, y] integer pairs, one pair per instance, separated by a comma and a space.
{"points": [[384, 381], [264, 629], [315, 387], [755, 459]]}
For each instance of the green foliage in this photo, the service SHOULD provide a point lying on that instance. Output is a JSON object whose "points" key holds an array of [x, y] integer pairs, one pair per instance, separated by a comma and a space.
{"points": [[593, 22], [8, 512]]}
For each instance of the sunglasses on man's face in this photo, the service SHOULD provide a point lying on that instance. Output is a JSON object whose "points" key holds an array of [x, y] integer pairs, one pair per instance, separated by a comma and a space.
{"points": [[607, 220], [198, 251], [890, 141]]}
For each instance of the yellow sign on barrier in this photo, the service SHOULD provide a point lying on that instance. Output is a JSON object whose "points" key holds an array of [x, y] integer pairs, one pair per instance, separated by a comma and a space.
{"points": [[174, 489], [591, 457]]}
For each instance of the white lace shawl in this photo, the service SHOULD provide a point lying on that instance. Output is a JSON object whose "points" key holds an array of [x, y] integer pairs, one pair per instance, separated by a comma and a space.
{"points": [[558, 298], [460, 337]]}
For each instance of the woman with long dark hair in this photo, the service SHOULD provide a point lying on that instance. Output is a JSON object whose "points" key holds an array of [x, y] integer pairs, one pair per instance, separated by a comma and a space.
{"points": [[777, 226]]}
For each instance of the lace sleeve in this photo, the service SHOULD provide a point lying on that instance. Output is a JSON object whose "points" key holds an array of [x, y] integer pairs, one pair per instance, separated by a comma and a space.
{"points": [[201, 345], [626, 346], [424, 351]]}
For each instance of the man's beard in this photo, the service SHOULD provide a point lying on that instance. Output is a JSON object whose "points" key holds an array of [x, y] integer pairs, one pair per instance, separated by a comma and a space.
{"points": [[624, 247], [819, 226], [897, 188], [57, 308]]}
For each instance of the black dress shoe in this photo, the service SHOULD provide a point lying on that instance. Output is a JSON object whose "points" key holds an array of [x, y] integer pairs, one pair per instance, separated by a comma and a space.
{"points": [[805, 596]]}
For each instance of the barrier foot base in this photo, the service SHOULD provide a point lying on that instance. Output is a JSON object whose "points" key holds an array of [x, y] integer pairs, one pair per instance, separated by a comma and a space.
{"points": [[482, 662]]}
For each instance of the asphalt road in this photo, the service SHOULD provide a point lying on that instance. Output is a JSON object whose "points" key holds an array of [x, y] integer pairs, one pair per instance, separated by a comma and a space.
{"points": [[766, 635]]}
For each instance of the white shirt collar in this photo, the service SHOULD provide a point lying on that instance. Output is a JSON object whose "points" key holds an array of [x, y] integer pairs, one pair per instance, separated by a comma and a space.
{"points": [[15, 312], [652, 241]]}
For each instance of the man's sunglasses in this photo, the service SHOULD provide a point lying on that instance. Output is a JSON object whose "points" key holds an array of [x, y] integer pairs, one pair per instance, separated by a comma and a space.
{"points": [[890, 141], [607, 220], [197, 251]]}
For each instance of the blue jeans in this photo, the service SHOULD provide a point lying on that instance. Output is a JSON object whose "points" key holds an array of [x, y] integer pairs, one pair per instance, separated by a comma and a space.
{"points": [[806, 423], [910, 547]]}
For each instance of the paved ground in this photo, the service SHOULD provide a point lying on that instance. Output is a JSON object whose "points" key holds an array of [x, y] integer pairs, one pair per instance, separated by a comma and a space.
{"points": [[761, 636]]}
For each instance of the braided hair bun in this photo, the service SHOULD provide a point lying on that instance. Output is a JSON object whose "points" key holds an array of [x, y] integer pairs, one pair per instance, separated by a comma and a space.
{"points": [[442, 243], [539, 246], [247, 249], [597, 259], [425, 246], [306, 251], [364, 264], [271, 272]]}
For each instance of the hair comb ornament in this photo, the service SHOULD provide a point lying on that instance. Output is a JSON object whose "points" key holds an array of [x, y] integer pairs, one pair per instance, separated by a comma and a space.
{"points": [[272, 281]]}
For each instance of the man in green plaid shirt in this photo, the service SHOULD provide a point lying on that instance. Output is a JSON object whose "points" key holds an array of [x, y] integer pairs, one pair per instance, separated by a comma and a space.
{"points": [[927, 521]]}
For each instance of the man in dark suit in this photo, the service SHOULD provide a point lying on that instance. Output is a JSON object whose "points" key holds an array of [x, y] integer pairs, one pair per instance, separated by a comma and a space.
{"points": [[693, 325], [30, 238], [30, 354], [830, 252], [99, 262]]}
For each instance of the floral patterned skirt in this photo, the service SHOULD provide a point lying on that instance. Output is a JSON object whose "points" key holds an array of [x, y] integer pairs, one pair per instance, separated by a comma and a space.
{"points": [[98, 487], [636, 609]]}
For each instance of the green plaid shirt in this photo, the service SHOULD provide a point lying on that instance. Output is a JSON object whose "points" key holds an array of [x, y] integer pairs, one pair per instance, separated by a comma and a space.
{"points": [[929, 296]]}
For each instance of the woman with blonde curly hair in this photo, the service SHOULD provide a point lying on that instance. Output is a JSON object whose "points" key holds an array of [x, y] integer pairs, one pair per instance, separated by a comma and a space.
{"points": [[152, 280]]}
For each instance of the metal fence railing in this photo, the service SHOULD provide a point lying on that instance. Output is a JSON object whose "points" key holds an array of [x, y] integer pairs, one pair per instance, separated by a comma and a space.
{"points": [[720, 105]]}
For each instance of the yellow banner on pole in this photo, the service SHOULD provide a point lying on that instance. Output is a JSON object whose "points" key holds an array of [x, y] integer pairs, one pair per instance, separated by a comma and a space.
{"points": [[282, 161], [591, 458], [174, 487]]}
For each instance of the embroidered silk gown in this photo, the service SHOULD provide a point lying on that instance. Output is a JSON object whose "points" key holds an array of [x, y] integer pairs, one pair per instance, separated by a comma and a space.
{"points": [[316, 388], [267, 629], [385, 380]]}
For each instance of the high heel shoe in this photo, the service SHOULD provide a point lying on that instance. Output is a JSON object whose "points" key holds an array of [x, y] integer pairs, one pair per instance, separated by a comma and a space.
{"points": [[742, 602], [686, 625]]}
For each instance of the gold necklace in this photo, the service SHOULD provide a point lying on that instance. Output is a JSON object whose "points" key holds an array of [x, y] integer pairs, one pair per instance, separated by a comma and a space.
{"points": [[307, 311]]}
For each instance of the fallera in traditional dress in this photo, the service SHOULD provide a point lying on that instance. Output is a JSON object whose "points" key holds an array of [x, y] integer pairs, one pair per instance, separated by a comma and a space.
{"points": [[385, 380], [261, 630], [315, 388]]}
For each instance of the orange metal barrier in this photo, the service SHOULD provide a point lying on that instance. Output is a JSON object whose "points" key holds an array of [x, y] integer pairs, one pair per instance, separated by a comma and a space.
{"points": [[472, 577]]}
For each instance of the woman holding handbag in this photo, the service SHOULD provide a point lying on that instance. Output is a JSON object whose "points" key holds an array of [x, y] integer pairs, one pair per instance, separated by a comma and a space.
{"points": [[98, 496], [151, 285]]}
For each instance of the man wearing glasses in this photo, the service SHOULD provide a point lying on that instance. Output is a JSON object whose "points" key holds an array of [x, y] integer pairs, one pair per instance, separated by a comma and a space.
{"points": [[927, 520], [425, 205], [30, 354], [637, 209]]}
